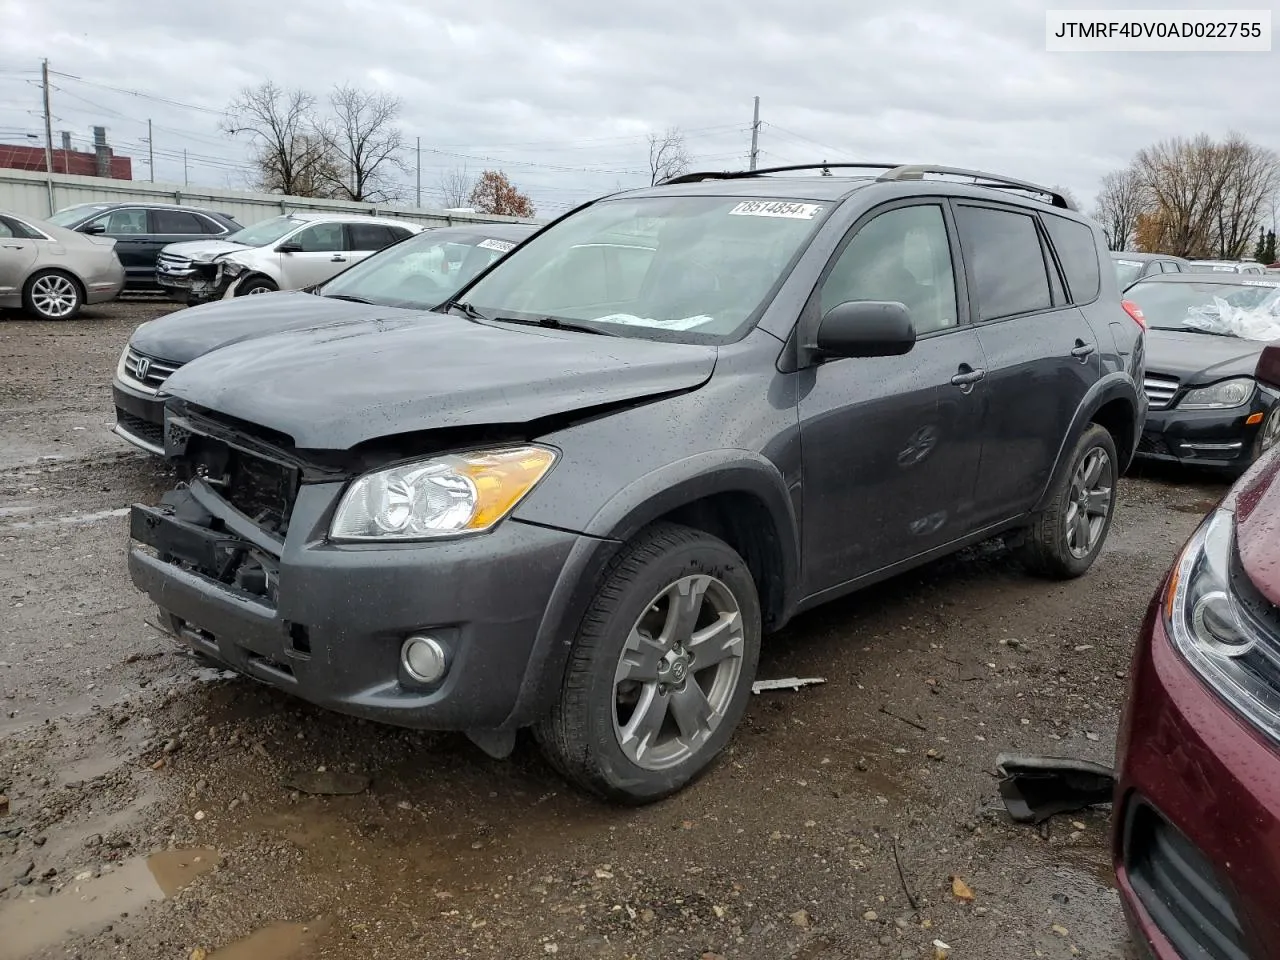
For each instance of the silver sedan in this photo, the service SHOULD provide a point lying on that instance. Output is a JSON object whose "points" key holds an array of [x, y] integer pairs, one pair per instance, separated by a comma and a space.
{"points": [[51, 272]]}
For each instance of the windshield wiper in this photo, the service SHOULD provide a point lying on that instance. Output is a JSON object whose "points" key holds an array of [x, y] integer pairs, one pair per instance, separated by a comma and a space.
{"points": [[349, 299], [555, 323], [464, 308]]}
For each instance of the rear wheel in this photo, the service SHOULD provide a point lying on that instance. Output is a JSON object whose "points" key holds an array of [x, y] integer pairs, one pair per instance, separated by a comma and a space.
{"points": [[661, 668], [256, 285], [52, 295], [1067, 536]]}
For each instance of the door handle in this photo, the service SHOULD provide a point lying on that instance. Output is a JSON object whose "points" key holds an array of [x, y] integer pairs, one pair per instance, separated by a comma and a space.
{"points": [[968, 376], [337, 259], [1082, 350], [11, 246]]}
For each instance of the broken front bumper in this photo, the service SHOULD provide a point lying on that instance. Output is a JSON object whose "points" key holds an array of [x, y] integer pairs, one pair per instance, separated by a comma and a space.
{"points": [[196, 283], [327, 621]]}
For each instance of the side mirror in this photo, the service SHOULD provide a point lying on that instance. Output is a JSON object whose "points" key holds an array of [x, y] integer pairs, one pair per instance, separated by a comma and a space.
{"points": [[866, 328], [289, 246], [95, 228]]}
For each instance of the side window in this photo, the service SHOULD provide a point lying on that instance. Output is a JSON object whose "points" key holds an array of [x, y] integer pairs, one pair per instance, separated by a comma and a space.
{"points": [[124, 223], [1005, 260], [398, 233], [1168, 266], [176, 222], [7, 229], [320, 238], [1078, 253], [211, 227], [369, 236], [900, 255]]}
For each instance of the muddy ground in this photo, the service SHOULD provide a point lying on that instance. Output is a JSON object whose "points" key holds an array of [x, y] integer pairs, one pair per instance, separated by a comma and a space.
{"points": [[159, 810]]}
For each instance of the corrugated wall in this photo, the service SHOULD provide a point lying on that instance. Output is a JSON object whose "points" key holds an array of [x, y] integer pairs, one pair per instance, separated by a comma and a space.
{"points": [[27, 193]]}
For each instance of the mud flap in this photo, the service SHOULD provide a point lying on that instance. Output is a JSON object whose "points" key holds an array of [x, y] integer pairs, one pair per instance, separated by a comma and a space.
{"points": [[498, 744], [1035, 788]]}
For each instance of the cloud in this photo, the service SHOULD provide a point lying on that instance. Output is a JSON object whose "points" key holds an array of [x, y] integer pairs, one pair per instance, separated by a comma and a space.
{"points": [[561, 93]]}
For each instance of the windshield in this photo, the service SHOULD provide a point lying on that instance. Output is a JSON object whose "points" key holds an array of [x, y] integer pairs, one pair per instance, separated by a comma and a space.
{"points": [[700, 267], [268, 231], [70, 215], [422, 272], [1128, 271], [1226, 309]]}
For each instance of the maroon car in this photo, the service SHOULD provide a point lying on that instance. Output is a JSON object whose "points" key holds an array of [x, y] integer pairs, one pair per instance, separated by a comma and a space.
{"points": [[1197, 826]]}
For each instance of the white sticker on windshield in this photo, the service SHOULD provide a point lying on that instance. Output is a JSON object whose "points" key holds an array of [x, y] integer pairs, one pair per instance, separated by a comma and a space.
{"points": [[683, 323], [1260, 283], [777, 208], [502, 246]]}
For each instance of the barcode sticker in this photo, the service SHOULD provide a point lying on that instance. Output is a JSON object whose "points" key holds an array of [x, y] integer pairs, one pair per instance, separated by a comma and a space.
{"points": [[502, 246], [777, 208]]}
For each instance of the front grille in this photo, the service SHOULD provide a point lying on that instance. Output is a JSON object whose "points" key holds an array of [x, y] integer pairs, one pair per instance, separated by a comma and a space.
{"points": [[261, 489], [1160, 390], [152, 433], [168, 263], [1179, 888], [149, 371]]}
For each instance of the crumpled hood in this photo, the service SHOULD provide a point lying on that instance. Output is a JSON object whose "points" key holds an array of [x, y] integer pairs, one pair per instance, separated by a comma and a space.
{"points": [[182, 336], [394, 372], [203, 249], [1200, 357], [1257, 507]]}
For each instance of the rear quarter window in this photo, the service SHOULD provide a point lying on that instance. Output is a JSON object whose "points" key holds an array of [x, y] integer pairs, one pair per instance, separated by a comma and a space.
{"points": [[1078, 253]]}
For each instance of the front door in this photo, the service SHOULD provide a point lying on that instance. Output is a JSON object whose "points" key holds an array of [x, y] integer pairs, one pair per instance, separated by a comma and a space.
{"points": [[323, 254], [891, 445], [134, 244], [1042, 355]]}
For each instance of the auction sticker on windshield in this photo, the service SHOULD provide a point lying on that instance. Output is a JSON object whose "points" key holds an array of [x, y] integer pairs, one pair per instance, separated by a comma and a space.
{"points": [[502, 246], [777, 208]]}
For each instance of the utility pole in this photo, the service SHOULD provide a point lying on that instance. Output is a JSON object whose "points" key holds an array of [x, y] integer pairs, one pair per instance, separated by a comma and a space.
{"points": [[186, 181], [48, 134], [151, 155], [419, 173], [755, 135]]}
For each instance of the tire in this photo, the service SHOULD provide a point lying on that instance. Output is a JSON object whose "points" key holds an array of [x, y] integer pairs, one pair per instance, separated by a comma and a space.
{"points": [[52, 295], [1268, 434], [590, 734], [1058, 547], [256, 285]]}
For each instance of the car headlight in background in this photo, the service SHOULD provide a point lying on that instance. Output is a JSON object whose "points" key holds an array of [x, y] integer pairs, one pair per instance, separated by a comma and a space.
{"points": [[441, 497], [1214, 630], [1228, 393]]}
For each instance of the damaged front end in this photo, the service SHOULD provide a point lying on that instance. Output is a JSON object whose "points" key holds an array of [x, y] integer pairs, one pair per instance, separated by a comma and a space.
{"points": [[197, 281]]}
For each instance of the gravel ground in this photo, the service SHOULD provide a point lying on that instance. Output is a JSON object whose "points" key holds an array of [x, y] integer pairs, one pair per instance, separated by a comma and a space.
{"points": [[157, 809]]}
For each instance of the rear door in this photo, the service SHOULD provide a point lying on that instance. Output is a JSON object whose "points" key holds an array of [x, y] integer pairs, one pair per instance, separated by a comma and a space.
{"points": [[17, 256], [171, 226], [323, 254], [1042, 355], [891, 445]]}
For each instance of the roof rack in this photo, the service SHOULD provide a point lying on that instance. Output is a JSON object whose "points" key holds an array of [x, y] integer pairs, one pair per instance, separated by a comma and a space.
{"points": [[892, 172]]}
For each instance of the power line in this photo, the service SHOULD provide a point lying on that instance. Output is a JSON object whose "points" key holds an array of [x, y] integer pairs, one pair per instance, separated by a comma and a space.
{"points": [[139, 94]]}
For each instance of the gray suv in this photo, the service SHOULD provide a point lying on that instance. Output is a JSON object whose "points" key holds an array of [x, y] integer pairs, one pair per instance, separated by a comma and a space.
{"points": [[575, 497]]}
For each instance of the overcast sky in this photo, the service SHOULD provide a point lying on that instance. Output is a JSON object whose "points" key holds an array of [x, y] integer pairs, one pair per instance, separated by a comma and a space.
{"points": [[561, 93]]}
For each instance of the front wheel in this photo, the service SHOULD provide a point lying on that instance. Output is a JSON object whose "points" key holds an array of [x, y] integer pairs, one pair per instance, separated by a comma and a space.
{"points": [[661, 668], [1067, 536], [256, 285], [1269, 433], [52, 295]]}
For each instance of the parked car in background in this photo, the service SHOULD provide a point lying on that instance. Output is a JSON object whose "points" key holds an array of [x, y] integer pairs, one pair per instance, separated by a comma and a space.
{"points": [[141, 230], [52, 272], [1205, 404], [1132, 267], [288, 252], [1198, 753], [422, 272], [575, 497], [1227, 266]]}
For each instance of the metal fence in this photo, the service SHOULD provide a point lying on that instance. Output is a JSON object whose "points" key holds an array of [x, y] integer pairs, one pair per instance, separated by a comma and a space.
{"points": [[36, 194]]}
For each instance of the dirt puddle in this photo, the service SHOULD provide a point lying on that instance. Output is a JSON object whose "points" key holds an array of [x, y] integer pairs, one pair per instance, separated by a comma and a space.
{"points": [[84, 906], [280, 941]]}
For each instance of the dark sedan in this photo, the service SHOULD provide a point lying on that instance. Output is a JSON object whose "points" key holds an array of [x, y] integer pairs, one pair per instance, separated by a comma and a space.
{"points": [[1132, 267], [1205, 334], [421, 272], [141, 230]]}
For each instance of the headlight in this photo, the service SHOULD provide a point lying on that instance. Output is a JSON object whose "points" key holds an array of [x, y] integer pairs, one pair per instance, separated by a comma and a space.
{"points": [[1228, 393], [441, 497], [1210, 623]]}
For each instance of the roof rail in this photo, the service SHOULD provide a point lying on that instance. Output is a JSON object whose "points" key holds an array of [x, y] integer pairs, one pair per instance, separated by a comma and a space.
{"points": [[744, 174], [917, 172]]}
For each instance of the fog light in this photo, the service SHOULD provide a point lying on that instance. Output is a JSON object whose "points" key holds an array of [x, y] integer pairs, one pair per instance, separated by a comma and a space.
{"points": [[423, 659]]}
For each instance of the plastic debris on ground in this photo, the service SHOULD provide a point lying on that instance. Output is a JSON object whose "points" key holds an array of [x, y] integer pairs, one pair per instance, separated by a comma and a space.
{"points": [[790, 683], [1035, 788]]}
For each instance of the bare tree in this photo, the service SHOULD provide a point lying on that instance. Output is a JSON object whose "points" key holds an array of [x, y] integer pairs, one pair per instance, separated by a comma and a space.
{"points": [[1118, 205], [365, 142], [495, 194], [1253, 175], [667, 155], [456, 186], [288, 155]]}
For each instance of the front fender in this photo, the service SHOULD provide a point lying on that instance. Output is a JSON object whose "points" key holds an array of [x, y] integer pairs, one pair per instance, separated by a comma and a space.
{"points": [[1113, 386]]}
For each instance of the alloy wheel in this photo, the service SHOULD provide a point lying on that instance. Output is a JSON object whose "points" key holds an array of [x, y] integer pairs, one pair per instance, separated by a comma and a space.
{"points": [[54, 296], [678, 672], [1089, 502], [1271, 429]]}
